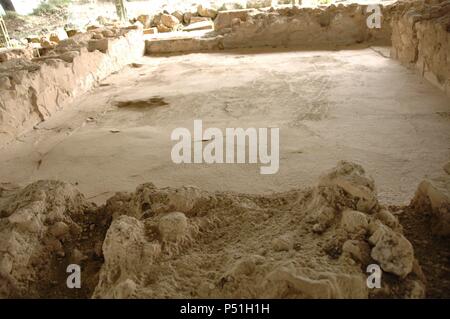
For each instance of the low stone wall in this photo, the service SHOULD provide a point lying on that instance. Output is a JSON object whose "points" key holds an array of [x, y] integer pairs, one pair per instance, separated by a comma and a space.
{"points": [[324, 27], [31, 90], [421, 39], [302, 27], [419, 32], [183, 44]]}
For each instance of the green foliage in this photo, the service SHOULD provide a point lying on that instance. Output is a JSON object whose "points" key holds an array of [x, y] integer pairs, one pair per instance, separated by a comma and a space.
{"points": [[11, 15], [47, 7]]}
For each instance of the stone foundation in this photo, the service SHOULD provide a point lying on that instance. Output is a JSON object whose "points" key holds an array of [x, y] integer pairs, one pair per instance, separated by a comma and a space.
{"points": [[302, 27], [421, 39], [31, 90], [306, 28]]}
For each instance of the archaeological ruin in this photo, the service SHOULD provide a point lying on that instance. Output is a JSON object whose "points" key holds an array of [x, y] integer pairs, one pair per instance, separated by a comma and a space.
{"points": [[104, 170]]}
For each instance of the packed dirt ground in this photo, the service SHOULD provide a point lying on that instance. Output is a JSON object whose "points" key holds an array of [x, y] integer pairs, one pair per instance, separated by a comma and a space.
{"points": [[87, 178]]}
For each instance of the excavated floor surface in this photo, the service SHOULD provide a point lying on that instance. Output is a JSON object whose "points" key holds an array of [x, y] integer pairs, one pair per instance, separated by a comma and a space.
{"points": [[226, 239], [353, 105]]}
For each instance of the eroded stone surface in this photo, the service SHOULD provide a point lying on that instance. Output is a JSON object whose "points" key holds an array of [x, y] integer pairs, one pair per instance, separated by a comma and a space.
{"points": [[421, 39], [33, 90]]}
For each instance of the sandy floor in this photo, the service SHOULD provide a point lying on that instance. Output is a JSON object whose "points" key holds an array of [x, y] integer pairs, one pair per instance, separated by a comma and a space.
{"points": [[356, 105]]}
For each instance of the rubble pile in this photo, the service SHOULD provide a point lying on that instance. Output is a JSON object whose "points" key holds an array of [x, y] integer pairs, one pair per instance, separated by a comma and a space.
{"points": [[186, 242], [323, 27]]}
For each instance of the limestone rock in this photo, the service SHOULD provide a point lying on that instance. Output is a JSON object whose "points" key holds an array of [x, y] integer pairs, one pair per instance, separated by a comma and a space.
{"points": [[393, 251], [345, 188], [357, 250], [187, 17], [59, 35], [173, 226], [351, 179], [205, 11], [354, 221], [224, 18], [72, 32], [169, 21], [162, 28], [433, 197], [387, 218], [179, 15], [48, 44], [127, 252], [145, 20]]}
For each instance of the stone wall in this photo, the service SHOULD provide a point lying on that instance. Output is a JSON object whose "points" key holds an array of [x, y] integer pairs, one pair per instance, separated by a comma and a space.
{"points": [[31, 90], [302, 27], [324, 27], [421, 39], [419, 32]]}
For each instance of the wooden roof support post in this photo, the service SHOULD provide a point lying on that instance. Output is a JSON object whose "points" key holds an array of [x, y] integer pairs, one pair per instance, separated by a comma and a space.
{"points": [[4, 36]]}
